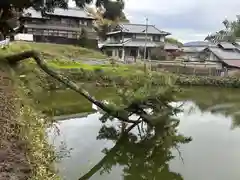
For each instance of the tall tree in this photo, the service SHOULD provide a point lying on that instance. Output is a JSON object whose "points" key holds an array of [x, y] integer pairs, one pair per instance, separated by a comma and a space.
{"points": [[11, 10], [229, 34], [103, 25]]}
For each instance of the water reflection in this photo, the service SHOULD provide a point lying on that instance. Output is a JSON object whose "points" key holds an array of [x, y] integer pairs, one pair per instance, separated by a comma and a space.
{"points": [[143, 153], [224, 101]]}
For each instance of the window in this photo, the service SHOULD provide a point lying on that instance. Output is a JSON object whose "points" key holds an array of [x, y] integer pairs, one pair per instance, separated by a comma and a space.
{"points": [[82, 22], [56, 33], [73, 23], [64, 21], [128, 36], [156, 38], [89, 23], [63, 33], [74, 35], [39, 32], [30, 31], [70, 34], [45, 32]]}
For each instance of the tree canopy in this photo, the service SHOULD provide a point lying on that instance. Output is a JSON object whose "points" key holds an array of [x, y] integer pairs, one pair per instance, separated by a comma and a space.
{"points": [[174, 41], [11, 10], [229, 34], [103, 25]]}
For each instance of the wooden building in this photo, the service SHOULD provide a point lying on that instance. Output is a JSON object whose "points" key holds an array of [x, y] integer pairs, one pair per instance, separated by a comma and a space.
{"points": [[61, 26]]}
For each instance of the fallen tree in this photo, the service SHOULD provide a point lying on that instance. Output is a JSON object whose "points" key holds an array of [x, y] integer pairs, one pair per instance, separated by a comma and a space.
{"points": [[136, 106]]}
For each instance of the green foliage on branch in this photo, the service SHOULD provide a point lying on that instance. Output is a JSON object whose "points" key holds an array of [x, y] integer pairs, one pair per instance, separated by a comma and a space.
{"points": [[230, 33]]}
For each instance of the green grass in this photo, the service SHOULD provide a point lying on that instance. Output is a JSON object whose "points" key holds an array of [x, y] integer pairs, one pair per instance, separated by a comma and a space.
{"points": [[53, 51]]}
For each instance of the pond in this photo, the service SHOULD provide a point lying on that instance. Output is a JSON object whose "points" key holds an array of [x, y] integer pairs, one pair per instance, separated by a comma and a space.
{"points": [[209, 117]]}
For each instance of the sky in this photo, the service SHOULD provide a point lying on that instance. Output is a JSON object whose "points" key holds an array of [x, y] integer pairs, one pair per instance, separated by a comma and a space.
{"points": [[186, 20]]}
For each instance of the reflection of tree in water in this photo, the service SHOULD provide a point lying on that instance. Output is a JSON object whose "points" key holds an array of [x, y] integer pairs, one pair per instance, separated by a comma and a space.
{"points": [[146, 133], [144, 153], [223, 101]]}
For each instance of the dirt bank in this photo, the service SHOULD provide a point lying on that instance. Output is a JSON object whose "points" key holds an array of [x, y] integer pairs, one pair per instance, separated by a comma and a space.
{"points": [[25, 152], [13, 161]]}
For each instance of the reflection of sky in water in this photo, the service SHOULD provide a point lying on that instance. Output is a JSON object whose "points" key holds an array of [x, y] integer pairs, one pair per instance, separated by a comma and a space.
{"points": [[214, 153]]}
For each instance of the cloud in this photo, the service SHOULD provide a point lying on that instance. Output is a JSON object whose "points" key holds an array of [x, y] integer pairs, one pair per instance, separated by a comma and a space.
{"points": [[187, 19]]}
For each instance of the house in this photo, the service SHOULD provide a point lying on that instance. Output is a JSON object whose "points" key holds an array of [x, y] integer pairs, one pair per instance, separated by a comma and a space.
{"points": [[61, 26], [224, 53], [194, 50], [129, 40]]}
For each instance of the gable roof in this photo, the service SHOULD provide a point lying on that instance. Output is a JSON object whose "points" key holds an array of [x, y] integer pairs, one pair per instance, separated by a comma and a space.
{"points": [[141, 28], [70, 12], [169, 46], [225, 55], [189, 49], [227, 45]]}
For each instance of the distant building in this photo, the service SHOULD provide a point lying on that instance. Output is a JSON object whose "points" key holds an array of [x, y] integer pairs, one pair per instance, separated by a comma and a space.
{"points": [[61, 26], [193, 51], [128, 40], [225, 53]]}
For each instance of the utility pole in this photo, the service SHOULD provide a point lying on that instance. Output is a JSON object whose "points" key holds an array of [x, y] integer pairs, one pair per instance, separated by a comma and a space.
{"points": [[145, 46], [123, 50]]}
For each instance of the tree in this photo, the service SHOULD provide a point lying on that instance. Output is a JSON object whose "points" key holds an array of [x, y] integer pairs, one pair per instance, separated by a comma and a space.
{"points": [[174, 41], [229, 34], [11, 10], [103, 25]]}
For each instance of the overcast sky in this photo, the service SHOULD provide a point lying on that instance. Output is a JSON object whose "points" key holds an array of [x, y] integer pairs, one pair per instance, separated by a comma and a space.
{"points": [[187, 20]]}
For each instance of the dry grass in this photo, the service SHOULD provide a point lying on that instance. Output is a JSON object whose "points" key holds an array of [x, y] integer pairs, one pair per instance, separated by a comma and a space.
{"points": [[25, 152]]}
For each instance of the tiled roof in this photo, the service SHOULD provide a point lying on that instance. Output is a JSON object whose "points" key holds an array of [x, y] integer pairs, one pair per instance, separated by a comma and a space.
{"points": [[71, 12], [227, 45], [140, 28], [225, 55], [169, 46], [233, 63], [193, 49]]}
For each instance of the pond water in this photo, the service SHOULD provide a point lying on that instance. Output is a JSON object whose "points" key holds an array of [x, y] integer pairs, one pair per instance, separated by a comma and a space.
{"points": [[210, 117]]}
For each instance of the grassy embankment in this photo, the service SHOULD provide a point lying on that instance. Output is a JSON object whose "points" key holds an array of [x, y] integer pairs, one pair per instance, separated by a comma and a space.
{"points": [[24, 145]]}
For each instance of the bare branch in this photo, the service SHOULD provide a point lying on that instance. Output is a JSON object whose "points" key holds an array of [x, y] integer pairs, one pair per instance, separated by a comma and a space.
{"points": [[179, 153]]}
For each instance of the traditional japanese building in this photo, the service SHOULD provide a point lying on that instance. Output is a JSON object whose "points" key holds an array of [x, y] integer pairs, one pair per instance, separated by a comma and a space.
{"points": [[130, 40], [62, 26]]}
